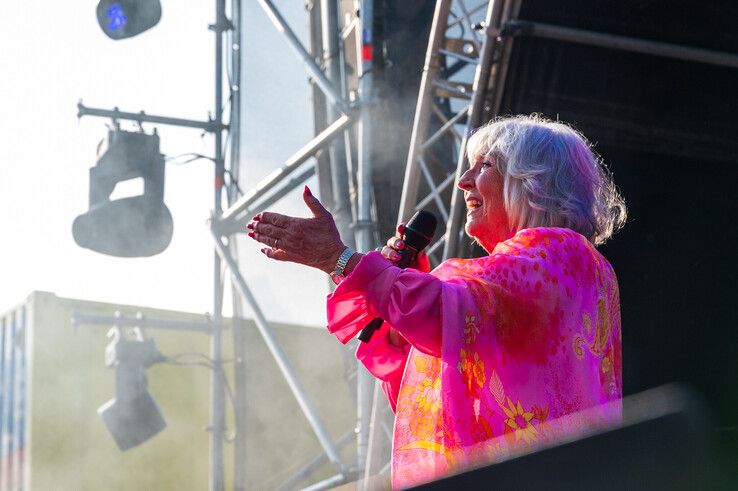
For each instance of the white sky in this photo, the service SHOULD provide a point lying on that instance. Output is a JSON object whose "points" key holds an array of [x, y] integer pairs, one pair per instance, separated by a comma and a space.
{"points": [[54, 54]]}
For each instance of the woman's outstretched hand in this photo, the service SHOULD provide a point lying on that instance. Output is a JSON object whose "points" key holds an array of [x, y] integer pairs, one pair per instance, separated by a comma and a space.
{"points": [[394, 247], [310, 241]]}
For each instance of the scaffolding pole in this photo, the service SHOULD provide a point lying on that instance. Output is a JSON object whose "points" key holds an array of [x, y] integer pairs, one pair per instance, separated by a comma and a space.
{"points": [[455, 223], [364, 225], [217, 390], [279, 356], [341, 200], [274, 187]]}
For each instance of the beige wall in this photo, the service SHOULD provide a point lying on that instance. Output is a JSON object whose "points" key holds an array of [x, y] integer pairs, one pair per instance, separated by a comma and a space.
{"points": [[70, 449]]}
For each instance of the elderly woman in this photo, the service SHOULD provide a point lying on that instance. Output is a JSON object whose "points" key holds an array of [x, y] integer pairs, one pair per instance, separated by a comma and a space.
{"points": [[482, 358]]}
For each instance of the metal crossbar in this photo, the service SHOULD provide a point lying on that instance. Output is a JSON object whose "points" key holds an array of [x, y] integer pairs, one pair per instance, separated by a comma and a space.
{"points": [[235, 211]]}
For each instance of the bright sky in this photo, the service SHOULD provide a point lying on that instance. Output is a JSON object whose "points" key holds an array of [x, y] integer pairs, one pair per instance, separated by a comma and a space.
{"points": [[54, 54]]}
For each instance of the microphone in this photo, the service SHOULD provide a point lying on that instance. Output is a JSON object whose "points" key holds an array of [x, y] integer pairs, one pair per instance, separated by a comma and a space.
{"points": [[418, 234]]}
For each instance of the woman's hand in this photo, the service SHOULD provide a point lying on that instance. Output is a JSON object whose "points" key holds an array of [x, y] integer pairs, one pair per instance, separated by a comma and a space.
{"points": [[310, 241], [395, 245], [392, 252]]}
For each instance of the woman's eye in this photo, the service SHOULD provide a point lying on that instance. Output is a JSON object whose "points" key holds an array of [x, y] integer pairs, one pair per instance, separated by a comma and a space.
{"points": [[485, 164]]}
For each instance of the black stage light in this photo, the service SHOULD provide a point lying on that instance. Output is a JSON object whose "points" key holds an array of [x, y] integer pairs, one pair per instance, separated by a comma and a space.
{"points": [[120, 19], [133, 416], [136, 226]]}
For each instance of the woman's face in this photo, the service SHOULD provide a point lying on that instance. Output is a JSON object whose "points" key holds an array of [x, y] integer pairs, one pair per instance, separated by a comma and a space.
{"points": [[486, 219]]}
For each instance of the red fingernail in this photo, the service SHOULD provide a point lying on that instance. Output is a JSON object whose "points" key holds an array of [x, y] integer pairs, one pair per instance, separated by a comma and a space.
{"points": [[251, 234], [250, 226], [263, 251], [256, 218], [307, 191]]}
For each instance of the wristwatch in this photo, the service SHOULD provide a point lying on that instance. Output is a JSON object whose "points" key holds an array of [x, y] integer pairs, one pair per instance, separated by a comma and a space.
{"points": [[337, 274]]}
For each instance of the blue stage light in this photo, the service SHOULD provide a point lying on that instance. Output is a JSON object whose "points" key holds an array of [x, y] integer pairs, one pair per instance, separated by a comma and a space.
{"points": [[120, 19], [116, 17]]}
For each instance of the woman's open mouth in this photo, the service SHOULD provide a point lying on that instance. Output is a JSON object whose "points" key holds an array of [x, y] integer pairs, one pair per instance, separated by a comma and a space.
{"points": [[472, 204]]}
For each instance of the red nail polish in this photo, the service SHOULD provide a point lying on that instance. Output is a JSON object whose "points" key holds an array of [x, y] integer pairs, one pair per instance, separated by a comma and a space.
{"points": [[250, 226], [255, 218], [307, 191], [251, 234]]}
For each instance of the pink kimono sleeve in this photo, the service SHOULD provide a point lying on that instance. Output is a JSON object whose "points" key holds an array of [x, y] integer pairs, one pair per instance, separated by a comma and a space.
{"points": [[385, 361], [408, 299]]}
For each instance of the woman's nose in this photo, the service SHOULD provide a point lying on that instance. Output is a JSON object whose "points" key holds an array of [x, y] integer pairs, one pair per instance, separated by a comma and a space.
{"points": [[466, 182]]}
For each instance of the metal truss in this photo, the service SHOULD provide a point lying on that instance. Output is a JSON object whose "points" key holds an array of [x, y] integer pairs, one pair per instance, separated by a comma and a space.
{"points": [[462, 66], [462, 82], [345, 188]]}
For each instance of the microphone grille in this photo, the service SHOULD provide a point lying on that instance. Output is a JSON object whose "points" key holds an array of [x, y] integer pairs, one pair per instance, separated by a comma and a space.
{"points": [[423, 223]]}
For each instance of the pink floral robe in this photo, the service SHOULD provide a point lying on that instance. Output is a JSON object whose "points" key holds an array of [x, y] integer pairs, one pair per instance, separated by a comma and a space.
{"points": [[506, 352]]}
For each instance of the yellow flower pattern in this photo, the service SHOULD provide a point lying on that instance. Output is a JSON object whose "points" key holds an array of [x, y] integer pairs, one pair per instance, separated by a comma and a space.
{"points": [[429, 395], [471, 369], [425, 397], [519, 420]]}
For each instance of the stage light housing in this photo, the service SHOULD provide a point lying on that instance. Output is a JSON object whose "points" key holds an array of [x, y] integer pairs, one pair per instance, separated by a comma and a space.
{"points": [[133, 416], [136, 226], [133, 421], [120, 19]]}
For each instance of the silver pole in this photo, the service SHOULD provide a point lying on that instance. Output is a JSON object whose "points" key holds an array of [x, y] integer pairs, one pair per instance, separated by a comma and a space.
{"points": [[325, 85], [481, 80], [302, 155], [373, 425], [364, 225], [511, 11], [141, 117], [217, 390], [240, 401], [320, 102], [280, 357], [341, 206], [329, 483], [431, 71]]}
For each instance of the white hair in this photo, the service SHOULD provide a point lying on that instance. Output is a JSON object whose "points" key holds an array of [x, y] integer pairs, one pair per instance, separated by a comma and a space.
{"points": [[551, 175]]}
